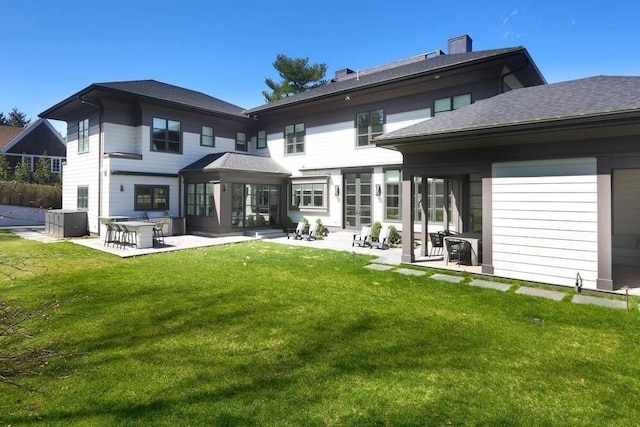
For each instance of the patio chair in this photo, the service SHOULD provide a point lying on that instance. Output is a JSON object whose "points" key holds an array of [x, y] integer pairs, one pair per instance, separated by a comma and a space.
{"points": [[437, 243], [382, 242], [458, 250], [117, 234], [363, 238], [128, 237], [313, 231], [109, 235], [296, 233], [158, 235]]}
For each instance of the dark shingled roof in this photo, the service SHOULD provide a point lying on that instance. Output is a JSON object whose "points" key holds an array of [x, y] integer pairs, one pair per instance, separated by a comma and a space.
{"points": [[583, 98], [387, 74], [174, 94], [8, 134], [236, 162], [154, 91]]}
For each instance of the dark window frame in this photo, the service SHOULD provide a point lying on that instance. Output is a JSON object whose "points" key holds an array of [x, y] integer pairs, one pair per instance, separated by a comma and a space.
{"points": [[241, 143], [370, 132], [261, 141], [200, 199], [294, 140], [83, 136], [206, 138], [153, 197], [162, 136], [389, 193], [451, 106]]}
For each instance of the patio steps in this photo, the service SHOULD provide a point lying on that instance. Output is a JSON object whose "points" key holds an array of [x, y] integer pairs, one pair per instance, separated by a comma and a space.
{"points": [[265, 233]]}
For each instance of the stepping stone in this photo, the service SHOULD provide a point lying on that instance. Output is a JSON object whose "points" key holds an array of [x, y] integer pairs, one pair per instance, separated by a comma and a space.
{"points": [[448, 278], [410, 272], [378, 267], [490, 285], [542, 293], [603, 302]]}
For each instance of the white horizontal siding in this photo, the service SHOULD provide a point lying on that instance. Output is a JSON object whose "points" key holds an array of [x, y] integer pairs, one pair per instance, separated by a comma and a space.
{"points": [[121, 139], [544, 216]]}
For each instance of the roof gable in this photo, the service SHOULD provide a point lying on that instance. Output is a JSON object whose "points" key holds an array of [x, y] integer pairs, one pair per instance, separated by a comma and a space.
{"points": [[22, 134]]}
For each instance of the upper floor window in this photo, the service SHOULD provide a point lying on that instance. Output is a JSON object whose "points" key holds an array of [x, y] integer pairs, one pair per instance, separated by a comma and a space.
{"points": [[241, 141], [82, 198], [166, 136], [150, 197], [207, 137], [294, 138], [83, 136], [442, 105], [262, 139], [369, 124], [55, 165]]}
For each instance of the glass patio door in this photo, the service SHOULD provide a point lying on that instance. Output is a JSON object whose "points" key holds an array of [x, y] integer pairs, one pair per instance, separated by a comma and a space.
{"points": [[357, 199]]}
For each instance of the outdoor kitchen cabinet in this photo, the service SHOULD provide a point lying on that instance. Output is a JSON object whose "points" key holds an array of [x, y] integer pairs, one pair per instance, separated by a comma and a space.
{"points": [[65, 223]]}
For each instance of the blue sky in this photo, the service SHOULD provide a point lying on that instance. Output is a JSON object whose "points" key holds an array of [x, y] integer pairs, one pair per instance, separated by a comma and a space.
{"points": [[226, 49]]}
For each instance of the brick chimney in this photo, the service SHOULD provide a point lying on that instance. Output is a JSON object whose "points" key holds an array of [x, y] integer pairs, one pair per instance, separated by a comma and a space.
{"points": [[460, 44]]}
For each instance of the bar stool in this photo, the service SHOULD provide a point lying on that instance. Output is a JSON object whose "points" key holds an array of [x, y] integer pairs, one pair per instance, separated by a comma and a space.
{"points": [[128, 236], [109, 236], [158, 235]]}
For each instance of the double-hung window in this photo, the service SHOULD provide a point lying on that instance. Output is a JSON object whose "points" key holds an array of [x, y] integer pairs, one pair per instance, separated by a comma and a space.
{"points": [[82, 199], [369, 124], [241, 141], [167, 136], [207, 137], [151, 197], [83, 136], [443, 105], [294, 138], [262, 139]]}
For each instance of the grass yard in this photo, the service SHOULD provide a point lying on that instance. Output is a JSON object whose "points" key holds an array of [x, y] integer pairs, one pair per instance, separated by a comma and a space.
{"points": [[266, 334]]}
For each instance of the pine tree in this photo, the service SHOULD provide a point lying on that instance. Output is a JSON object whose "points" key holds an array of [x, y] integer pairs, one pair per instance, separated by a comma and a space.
{"points": [[21, 172], [42, 174], [5, 172], [297, 76]]}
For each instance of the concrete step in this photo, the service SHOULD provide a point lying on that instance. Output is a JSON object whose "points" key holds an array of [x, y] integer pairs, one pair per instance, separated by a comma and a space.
{"points": [[265, 233]]}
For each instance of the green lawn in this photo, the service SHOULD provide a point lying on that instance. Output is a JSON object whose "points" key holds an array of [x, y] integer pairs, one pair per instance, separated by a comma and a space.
{"points": [[266, 334]]}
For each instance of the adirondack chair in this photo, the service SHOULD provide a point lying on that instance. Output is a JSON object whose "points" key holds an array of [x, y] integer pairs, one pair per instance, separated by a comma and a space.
{"points": [[297, 232], [383, 239], [313, 231], [363, 238]]}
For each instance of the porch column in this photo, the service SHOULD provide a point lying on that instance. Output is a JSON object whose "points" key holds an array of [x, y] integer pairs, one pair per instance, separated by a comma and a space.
{"points": [[605, 269], [424, 222], [407, 218], [487, 226]]}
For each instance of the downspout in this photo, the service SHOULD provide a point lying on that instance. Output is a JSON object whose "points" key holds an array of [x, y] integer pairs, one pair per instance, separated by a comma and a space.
{"points": [[100, 107]]}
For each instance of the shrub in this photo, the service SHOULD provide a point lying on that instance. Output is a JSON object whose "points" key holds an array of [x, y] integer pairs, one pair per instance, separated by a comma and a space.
{"points": [[23, 194], [287, 224], [322, 230], [394, 236], [375, 230]]}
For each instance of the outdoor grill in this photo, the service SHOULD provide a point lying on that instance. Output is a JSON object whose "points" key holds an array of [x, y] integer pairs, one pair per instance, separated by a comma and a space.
{"points": [[160, 218]]}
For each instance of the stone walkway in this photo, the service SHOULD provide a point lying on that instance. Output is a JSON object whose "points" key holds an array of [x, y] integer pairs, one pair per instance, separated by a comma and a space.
{"points": [[387, 260]]}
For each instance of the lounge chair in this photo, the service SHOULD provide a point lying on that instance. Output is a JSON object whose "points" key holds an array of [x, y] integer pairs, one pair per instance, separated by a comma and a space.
{"points": [[383, 239], [437, 243], [296, 233], [313, 231], [458, 250], [363, 238]]}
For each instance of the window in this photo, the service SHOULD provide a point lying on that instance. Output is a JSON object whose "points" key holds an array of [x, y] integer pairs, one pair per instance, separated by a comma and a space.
{"points": [[241, 141], [369, 124], [29, 161], [83, 136], [308, 195], [262, 139], [392, 199], [207, 138], [200, 199], [294, 138], [83, 198], [55, 165], [443, 105], [166, 136], [151, 197]]}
